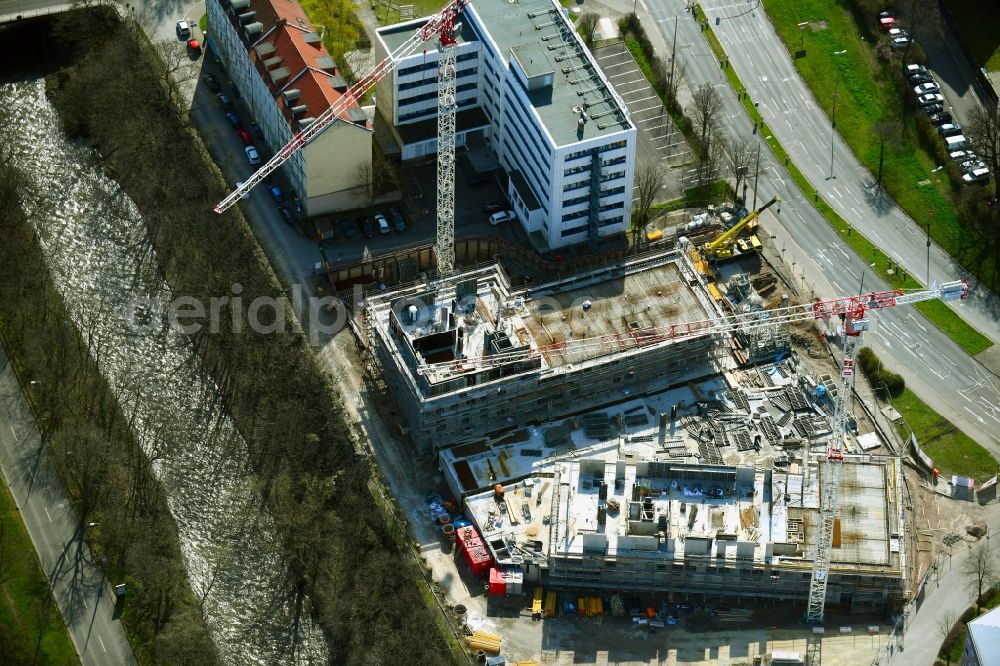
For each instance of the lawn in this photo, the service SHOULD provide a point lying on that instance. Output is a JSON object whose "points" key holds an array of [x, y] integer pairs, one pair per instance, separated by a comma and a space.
{"points": [[936, 312], [952, 450], [28, 615], [977, 21]]}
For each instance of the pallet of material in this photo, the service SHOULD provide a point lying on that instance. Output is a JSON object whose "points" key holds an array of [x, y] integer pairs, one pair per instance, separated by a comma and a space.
{"points": [[550, 604], [536, 602], [485, 641]]}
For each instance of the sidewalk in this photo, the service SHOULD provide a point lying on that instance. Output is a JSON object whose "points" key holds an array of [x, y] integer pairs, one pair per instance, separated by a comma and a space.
{"points": [[84, 597]]}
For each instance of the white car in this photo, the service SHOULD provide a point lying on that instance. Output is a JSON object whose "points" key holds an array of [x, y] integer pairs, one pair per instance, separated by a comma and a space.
{"points": [[252, 155], [183, 30], [980, 175], [383, 224], [501, 216], [930, 98], [900, 42], [925, 88]]}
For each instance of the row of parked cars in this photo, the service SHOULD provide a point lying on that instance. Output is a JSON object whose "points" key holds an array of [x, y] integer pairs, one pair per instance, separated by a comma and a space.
{"points": [[931, 101], [370, 225]]}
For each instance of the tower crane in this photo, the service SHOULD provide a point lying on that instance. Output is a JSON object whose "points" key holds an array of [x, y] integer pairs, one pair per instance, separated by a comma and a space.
{"points": [[851, 310], [443, 24]]}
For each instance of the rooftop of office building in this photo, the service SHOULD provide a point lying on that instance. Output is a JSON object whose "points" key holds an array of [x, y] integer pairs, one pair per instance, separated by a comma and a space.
{"points": [[565, 85]]}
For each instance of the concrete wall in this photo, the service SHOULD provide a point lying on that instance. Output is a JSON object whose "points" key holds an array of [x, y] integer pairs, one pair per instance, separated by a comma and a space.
{"points": [[337, 165]]}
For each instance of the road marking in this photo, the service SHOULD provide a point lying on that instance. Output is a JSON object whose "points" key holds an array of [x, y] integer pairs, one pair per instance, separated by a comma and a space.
{"points": [[102, 643], [978, 417], [13, 433], [919, 325], [46, 510]]}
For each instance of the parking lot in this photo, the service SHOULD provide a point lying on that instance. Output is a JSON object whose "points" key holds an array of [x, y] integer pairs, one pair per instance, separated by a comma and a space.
{"points": [[659, 140]]}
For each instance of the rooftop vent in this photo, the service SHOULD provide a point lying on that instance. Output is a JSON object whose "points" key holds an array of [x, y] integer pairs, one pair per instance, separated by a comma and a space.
{"points": [[305, 122], [248, 17], [239, 5], [299, 110], [338, 83], [254, 28], [311, 37], [291, 95], [271, 63]]}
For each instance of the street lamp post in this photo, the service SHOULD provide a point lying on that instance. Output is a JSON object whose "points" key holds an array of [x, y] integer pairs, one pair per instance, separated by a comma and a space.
{"points": [[833, 115]]}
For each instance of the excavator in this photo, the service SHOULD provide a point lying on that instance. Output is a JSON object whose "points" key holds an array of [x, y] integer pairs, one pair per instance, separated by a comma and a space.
{"points": [[732, 243]]}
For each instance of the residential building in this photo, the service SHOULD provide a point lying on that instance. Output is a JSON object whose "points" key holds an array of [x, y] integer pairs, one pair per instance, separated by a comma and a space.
{"points": [[531, 95], [277, 61]]}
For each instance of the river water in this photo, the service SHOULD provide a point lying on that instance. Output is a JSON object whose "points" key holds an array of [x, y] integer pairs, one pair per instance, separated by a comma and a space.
{"points": [[93, 238]]}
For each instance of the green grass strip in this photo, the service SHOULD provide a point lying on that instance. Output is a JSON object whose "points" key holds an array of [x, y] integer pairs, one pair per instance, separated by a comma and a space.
{"points": [[967, 337], [952, 451], [27, 610]]}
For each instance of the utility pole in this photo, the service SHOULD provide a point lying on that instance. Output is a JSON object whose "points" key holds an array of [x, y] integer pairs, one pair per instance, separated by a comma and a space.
{"points": [[756, 172], [833, 115], [673, 57]]}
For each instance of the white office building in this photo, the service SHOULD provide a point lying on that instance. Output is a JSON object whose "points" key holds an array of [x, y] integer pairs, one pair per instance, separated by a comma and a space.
{"points": [[529, 91]]}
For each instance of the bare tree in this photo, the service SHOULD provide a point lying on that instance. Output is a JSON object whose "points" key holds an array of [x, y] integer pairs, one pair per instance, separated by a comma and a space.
{"points": [[706, 104], [983, 130], [648, 181], [740, 154], [886, 132], [709, 167], [669, 73], [945, 624], [981, 568], [587, 27], [365, 170]]}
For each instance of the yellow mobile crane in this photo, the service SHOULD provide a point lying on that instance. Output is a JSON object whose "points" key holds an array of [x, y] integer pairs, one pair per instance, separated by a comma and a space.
{"points": [[729, 244]]}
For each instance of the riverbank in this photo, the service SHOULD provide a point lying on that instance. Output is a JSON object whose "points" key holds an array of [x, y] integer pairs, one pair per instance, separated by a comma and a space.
{"points": [[339, 553]]}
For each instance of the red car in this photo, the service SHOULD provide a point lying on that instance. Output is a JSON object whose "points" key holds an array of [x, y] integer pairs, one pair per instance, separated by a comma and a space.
{"points": [[245, 136]]}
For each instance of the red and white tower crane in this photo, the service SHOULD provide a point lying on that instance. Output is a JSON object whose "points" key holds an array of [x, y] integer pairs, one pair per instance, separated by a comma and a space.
{"points": [[851, 310], [443, 24]]}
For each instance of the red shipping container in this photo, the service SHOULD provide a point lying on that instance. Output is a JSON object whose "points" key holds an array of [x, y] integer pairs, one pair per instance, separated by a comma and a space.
{"points": [[473, 550]]}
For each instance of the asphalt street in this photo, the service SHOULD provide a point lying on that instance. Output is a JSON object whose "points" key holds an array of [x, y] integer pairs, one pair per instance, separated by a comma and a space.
{"points": [[803, 128], [948, 591], [11, 9], [822, 265], [84, 597]]}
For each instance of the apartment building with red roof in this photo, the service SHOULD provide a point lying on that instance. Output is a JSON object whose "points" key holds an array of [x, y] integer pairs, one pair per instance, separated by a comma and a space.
{"points": [[277, 61]]}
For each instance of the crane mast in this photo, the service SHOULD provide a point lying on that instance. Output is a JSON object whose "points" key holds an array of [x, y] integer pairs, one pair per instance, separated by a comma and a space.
{"points": [[854, 326], [444, 246]]}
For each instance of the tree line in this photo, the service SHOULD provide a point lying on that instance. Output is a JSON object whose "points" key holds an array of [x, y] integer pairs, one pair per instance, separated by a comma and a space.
{"points": [[298, 440]]}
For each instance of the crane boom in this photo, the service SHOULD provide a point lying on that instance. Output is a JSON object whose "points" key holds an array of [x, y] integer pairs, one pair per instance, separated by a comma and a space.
{"points": [[848, 306], [444, 18], [720, 247]]}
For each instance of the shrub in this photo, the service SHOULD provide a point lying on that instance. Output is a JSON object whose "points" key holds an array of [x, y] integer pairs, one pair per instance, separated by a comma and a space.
{"points": [[882, 380]]}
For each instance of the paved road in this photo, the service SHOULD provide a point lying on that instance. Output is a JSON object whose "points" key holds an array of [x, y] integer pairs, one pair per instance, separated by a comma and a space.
{"points": [[766, 69], [10, 10], [949, 592], [85, 598], [821, 263]]}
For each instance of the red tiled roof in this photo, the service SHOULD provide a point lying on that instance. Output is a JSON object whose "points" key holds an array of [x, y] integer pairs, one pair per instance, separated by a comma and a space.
{"points": [[310, 69]]}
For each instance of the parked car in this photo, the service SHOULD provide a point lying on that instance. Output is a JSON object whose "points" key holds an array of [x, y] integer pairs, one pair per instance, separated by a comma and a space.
{"points": [[233, 119], [911, 70], [211, 82], [183, 30], [286, 214], [980, 175], [925, 88], [276, 194], [960, 156], [886, 22], [898, 32], [900, 42], [398, 221], [492, 206], [921, 78], [971, 165], [245, 137], [224, 100], [930, 98], [194, 46], [252, 155], [367, 227], [383, 224], [931, 109], [236, 91], [940, 118], [949, 129], [501, 217], [348, 228], [255, 128]]}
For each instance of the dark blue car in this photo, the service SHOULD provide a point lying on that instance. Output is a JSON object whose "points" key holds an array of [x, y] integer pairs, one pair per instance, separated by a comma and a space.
{"points": [[233, 119]]}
